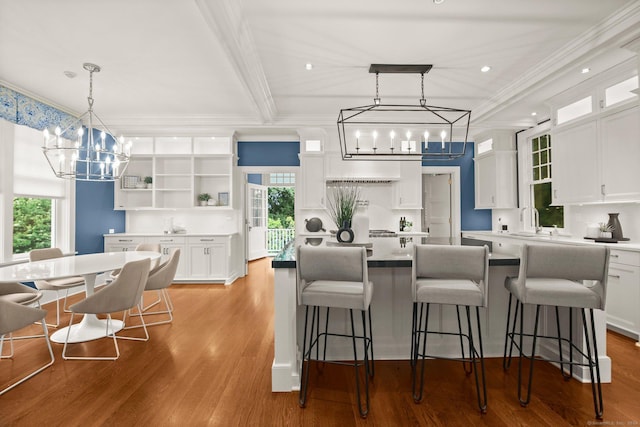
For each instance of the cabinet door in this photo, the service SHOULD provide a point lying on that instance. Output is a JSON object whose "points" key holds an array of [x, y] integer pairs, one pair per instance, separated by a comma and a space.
{"points": [[620, 148], [408, 190], [166, 250], [218, 260], [121, 244], [575, 164], [199, 260], [486, 180], [623, 297], [313, 184]]}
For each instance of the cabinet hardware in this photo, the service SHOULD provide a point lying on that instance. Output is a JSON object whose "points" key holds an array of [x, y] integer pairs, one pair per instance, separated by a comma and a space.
{"points": [[615, 276], [614, 256], [555, 194], [602, 189], [207, 240], [125, 240]]}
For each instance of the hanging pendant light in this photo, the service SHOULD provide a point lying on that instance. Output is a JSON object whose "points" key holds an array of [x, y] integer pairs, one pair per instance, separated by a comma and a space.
{"points": [[371, 132], [86, 150]]}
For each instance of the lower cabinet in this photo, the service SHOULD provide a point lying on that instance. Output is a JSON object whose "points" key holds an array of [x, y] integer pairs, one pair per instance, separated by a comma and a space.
{"points": [[203, 258], [208, 257], [623, 293]]}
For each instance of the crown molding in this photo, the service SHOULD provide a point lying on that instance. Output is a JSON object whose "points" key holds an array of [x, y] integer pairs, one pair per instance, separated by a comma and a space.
{"points": [[615, 31]]}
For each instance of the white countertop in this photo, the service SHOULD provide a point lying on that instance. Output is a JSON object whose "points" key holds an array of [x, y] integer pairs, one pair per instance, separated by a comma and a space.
{"points": [[167, 235], [567, 240]]}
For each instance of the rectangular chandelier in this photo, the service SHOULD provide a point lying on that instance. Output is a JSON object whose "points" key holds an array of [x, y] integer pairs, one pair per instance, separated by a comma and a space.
{"points": [[402, 132]]}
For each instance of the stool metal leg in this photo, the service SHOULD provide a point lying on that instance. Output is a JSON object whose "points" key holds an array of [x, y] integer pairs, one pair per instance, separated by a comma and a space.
{"points": [[464, 364], [417, 396], [413, 334], [524, 402], [482, 401], [565, 375], [593, 361], [363, 411], [510, 337], [326, 329]]}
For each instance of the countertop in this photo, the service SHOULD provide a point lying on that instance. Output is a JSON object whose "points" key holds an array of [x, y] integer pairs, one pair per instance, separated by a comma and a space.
{"points": [[386, 253], [567, 240], [166, 235]]}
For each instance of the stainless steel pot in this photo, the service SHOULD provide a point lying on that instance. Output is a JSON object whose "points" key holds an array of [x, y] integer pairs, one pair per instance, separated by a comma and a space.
{"points": [[314, 224]]}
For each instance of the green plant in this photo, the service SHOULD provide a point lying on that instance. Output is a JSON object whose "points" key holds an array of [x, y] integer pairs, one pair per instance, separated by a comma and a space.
{"points": [[204, 197], [148, 180], [606, 228], [342, 203]]}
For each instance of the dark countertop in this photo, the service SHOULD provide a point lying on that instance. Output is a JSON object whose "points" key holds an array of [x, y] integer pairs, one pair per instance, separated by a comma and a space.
{"points": [[387, 252]]}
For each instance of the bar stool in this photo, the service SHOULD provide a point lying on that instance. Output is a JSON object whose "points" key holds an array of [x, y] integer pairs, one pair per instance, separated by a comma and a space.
{"points": [[449, 275], [553, 275], [335, 277]]}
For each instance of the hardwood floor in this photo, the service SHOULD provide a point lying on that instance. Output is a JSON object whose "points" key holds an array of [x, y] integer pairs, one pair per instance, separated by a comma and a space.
{"points": [[212, 366]]}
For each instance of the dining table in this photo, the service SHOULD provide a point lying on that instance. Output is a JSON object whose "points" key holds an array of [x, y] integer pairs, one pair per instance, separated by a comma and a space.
{"points": [[88, 266]]}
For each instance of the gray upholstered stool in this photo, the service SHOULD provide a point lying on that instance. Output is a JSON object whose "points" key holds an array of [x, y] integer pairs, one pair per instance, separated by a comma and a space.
{"points": [[335, 277], [449, 275], [553, 275]]}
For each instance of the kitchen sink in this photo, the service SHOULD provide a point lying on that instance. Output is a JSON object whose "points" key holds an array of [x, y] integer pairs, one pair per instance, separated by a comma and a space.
{"points": [[526, 234]]}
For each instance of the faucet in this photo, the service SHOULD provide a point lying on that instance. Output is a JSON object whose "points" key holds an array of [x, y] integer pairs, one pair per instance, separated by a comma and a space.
{"points": [[536, 220]]}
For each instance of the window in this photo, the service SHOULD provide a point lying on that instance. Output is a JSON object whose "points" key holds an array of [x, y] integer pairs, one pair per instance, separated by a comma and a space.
{"points": [[574, 110], [549, 216], [32, 224], [282, 179], [620, 91]]}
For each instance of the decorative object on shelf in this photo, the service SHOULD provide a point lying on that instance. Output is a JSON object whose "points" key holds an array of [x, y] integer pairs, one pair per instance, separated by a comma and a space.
{"points": [[314, 225], [360, 222], [90, 153], [342, 202], [223, 199], [605, 230], [398, 132], [148, 181], [614, 225], [212, 202], [203, 198], [129, 181], [345, 233]]}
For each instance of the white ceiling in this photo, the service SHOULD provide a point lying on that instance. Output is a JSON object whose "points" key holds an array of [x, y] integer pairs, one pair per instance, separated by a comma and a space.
{"points": [[198, 65]]}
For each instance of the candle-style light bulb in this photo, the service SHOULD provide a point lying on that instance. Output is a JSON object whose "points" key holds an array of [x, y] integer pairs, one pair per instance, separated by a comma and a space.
{"points": [[103, 137], [79, 141], [58, 131], [443, 135], [357, 140], [45, 135], [409, 141], [392, 135], [375, 136], [97, 151], [107, 162], [101, 169], [426, 140]]}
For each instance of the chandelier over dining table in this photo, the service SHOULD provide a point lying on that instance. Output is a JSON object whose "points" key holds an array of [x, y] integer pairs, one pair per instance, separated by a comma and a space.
{"points": [[86, 150], [402, 132]]}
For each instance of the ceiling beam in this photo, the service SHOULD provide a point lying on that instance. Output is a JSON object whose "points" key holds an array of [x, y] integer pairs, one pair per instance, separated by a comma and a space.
{"points": [[230, 28]]}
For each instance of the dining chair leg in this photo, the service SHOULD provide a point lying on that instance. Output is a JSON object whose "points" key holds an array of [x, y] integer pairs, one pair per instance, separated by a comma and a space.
{"points": [[108, 327], [142, 325]]}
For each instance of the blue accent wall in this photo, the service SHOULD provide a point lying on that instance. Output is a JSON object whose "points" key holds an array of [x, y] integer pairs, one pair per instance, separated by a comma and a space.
{"points": [[268, 153], [471, 218], [254, 178], [95, 215]]}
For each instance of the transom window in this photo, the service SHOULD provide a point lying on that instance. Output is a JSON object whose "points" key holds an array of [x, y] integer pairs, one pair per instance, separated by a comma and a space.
{"points": [[282, 179]]}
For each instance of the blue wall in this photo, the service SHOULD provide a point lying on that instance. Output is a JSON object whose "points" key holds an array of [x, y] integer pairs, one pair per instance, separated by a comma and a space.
{"points": [[471, 218], [254, 178], [271, 153], [95, 215]]}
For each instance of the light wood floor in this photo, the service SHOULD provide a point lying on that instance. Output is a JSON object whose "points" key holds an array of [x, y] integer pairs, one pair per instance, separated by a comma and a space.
{"points": [[212, 366]]}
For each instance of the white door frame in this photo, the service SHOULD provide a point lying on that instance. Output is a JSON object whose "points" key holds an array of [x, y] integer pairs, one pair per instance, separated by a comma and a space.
{"points": [[455, 196], [245, 171]]}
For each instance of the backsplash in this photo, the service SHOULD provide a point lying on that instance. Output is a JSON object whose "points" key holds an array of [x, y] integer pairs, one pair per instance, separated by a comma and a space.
{"points": [[579, 217]]}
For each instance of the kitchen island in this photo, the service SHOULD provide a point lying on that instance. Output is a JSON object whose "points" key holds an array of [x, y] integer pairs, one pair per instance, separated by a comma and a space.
{"points": [[391, 309]]}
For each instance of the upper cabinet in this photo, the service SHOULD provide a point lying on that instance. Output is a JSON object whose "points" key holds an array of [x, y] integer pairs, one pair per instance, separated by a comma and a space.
{"points": [[171, 173], [596, 141], [495, 165]]}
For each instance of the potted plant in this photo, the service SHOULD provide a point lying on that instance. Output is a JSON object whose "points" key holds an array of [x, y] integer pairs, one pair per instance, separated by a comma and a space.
{"points": [[605, 230], [148, 180], [203, 198], [342, 204]]}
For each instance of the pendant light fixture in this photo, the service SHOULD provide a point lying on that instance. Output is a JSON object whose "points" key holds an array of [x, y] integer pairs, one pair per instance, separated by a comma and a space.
{"points": [[402, 132], [86, 150]]}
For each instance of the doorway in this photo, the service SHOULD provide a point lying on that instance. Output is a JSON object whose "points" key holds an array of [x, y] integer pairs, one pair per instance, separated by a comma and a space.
{"points": [[441, 205]]}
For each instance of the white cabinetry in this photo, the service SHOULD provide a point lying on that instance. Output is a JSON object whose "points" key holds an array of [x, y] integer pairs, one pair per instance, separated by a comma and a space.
{"points": [[623, 292], [313, 181], [208, 257], [167, 244], [588, 159], [495, 166], [122, 243], [181, 169], [408, 189], [575, 164]]}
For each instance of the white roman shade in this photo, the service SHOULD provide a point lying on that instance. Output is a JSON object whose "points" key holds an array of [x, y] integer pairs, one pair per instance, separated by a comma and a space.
{"points": [[32, 175]]}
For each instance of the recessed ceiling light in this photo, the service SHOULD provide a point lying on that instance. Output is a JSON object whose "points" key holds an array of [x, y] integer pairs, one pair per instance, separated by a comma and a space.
{"points": [[309, 66], [438, 1], [585, 70], [485, 69], [534, 114], [70, 74]]}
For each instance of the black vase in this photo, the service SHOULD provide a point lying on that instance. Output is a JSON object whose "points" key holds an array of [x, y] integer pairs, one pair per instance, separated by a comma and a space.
{"points": [[345, 233], [614, 224]]}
